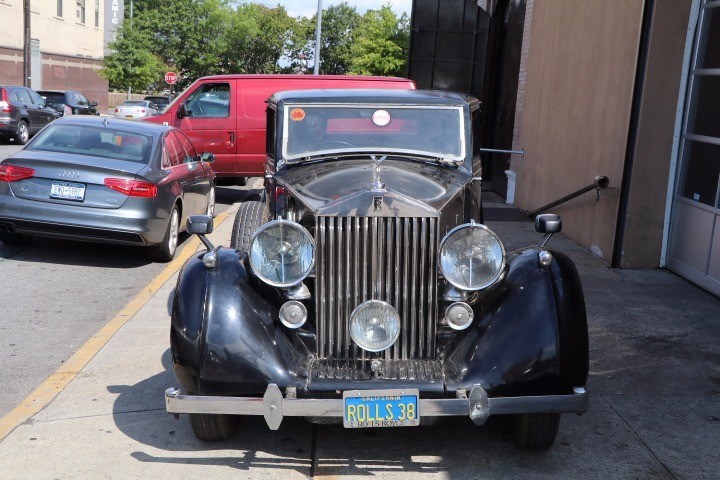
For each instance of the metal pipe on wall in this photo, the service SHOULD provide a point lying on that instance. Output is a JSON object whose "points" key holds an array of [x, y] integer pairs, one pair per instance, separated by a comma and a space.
{"points": [[318, 29]]}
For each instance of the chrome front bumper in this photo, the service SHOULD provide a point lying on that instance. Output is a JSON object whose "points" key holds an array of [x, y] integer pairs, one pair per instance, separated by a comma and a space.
{"points": [[274, 406]]}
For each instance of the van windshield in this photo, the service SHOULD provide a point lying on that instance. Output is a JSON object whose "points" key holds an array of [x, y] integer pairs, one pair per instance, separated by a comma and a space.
{"points": [[435, 131]]}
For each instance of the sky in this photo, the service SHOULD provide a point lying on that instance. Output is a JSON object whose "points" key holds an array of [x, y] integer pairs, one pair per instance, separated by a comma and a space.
{"points": [[308, 8]]}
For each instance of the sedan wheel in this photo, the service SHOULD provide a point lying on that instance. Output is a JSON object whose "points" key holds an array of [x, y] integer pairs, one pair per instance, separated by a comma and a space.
{"points": [[23, 134], [165, 250], [211, 202]]}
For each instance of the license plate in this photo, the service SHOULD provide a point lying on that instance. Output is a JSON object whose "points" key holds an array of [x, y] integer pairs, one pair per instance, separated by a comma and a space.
{"points": [[129, 116], [67, 190], [381, 408]]}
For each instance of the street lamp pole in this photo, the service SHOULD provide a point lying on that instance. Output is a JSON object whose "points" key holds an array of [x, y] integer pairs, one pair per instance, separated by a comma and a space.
{"points": [[318, 30], [26, 44]]}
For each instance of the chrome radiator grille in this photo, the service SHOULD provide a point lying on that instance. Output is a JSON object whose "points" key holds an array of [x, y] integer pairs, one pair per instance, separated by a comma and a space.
{"points": [[390, 259]]}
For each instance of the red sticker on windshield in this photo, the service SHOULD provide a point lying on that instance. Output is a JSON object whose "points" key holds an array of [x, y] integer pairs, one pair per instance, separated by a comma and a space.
{"points": [[297, 114]]}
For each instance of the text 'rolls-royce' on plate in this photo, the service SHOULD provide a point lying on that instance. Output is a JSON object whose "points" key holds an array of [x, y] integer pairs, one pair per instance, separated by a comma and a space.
{"points": [[365, 288]]}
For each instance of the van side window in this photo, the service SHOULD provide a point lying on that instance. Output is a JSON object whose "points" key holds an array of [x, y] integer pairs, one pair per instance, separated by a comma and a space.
{"points": [[210, 100]]}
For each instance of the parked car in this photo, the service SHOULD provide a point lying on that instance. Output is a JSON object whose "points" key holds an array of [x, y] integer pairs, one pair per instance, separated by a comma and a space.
{"points": [[23, 113], [69, 102], [109, 181], [225, 114], [136, 109], [161, 101], [365, 289]]}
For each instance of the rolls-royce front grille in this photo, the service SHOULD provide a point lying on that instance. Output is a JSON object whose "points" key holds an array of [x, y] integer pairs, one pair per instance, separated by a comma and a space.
{"points": [[389, 259]]}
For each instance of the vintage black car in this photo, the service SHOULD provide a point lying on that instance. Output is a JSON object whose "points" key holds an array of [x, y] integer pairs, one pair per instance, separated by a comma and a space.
{"points": [[364, 287]]}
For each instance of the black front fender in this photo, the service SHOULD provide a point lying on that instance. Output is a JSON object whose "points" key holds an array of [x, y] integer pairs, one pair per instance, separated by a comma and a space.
{"points": [[530, 336], [223, 337]]}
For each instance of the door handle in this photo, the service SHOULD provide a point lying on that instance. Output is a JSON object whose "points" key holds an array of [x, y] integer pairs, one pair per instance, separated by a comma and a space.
{"points": [[232, 137]]}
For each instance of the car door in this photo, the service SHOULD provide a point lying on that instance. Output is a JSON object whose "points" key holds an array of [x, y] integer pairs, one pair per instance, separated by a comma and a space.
{"points": [[201, 180], [44, 114], [182, 174], [83, 106], [209, 121]]}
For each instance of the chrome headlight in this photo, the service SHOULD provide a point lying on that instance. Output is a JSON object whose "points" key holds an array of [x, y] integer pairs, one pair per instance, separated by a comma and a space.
{"points": [[374, 325], [472, 257], [282, 253]]}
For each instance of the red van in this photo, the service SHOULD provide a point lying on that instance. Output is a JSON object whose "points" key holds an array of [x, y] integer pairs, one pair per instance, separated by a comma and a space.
{"points": [[225, 114]]}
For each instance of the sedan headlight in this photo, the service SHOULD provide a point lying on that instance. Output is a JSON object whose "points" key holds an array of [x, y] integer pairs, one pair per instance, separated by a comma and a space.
{"points": [[472, 257], [282, 253]]}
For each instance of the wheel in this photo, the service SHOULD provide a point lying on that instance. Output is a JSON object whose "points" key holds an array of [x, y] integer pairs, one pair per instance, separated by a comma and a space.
{"points": [[249, 217], [536, 430], [211, 202], [165, 251], [12, 238], [23, 133], [213, 428]]}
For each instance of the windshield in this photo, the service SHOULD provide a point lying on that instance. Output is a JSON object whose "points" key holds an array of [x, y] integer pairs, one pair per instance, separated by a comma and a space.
{"points": [[134, 103], [94, 141], [435, 131]]}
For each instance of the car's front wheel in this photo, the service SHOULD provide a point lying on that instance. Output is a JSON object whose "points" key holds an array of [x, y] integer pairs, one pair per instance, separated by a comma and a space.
{"points": [[165, 251], [249, 217], [213, 428], [23, 133], [536, 430]]}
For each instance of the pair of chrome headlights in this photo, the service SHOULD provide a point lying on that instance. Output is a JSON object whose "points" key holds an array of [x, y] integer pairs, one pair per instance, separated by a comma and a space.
{"points": [[282, 254]]}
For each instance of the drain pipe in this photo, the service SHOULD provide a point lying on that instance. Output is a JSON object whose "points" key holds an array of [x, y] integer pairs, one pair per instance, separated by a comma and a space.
{"points": [[598, 184]]}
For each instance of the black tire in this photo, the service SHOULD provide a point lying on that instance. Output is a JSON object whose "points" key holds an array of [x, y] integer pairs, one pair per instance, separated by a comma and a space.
{"points": [[249, 217], [23, 133], [213, 428], [536, 430], [164, 251], [11, 238]]}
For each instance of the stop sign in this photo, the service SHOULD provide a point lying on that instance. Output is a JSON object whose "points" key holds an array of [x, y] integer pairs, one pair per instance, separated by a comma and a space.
{"points": [[170, 78]]}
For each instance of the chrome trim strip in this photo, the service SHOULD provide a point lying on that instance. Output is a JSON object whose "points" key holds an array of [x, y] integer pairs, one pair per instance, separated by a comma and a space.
{"points": [[177, 402]]}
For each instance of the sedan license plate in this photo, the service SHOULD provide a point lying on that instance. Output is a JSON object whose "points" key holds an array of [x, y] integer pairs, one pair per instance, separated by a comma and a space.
{"points": [[67, 191], [129, 116], [381, 408]]}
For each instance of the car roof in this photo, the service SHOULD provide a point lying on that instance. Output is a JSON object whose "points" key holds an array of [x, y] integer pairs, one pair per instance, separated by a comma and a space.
{"points": [[429, 97], [130, 125]]}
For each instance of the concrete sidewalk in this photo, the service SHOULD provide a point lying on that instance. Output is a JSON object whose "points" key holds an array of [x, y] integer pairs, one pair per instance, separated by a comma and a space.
{"points": [[654, 413]]}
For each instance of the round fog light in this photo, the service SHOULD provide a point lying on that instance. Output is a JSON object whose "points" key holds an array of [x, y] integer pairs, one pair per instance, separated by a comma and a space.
{"points": [[374, 325], [293, 314], [459, 316]]}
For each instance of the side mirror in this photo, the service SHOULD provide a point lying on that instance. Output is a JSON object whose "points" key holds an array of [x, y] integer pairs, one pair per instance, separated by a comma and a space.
{"points": [[93, 104], [548, 223], [208, 157], [200, 224], [183, 111]]}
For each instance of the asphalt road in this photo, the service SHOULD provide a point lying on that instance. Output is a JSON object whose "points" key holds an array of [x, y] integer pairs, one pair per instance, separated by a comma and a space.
{"points": [[56, 294]]}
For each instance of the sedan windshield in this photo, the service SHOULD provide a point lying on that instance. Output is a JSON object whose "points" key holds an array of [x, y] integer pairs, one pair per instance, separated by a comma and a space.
{"points": [[94, 141], [434, 131]]}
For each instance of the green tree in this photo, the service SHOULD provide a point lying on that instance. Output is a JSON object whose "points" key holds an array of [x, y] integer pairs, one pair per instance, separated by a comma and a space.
{"points": [[339, 28], [132, 64], [381, 45]]}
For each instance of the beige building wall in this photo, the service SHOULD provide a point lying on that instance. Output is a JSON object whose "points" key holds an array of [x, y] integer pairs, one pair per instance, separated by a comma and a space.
{"points": [[647, 193], [581, 66], [64, 35]]}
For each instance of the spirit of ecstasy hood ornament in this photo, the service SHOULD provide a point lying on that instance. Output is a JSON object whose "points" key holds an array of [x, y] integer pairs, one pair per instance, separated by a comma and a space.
{"points": [[377, 184]]}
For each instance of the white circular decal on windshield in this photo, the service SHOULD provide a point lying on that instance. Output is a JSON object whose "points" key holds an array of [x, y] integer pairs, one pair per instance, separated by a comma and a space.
{"points": [[381, 118]]}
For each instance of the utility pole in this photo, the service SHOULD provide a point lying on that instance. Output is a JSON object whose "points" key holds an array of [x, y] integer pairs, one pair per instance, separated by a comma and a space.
{"points": [[318, 30], [26, 43]]}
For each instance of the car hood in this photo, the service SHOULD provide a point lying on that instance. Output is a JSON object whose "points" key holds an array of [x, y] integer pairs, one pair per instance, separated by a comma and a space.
{"points": [[345, 187]]}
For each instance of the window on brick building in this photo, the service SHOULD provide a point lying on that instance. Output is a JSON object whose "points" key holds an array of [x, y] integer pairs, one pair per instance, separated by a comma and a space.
{"points": [[97, 13], [59, 8]]}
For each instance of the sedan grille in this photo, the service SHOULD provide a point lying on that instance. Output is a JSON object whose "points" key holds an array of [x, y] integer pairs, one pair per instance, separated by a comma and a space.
{"points": [[389, 259]]}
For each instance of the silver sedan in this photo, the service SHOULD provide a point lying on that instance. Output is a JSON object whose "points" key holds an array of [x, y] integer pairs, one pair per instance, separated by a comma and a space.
{"points": [[105, 180], [135, 109]]}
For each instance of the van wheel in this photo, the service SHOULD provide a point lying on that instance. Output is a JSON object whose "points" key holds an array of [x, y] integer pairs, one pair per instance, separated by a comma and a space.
{"points": [[23, 133], [536, 430], [213, 428], [248, 219]]}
